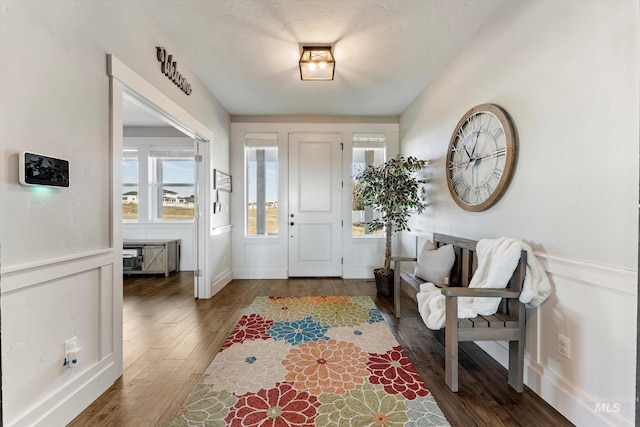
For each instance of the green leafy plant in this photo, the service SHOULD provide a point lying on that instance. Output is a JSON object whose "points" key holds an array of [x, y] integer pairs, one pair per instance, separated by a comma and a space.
{"points": [[391, 188]]}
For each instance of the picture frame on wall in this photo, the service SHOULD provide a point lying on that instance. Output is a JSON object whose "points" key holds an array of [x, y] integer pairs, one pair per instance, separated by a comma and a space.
{"points": [[221, 181]]}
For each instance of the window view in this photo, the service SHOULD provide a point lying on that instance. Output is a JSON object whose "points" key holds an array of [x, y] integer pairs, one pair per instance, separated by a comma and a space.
{"points": [[368, 149], [130, 184], [261, 169], [174, 185], [158, 184]]}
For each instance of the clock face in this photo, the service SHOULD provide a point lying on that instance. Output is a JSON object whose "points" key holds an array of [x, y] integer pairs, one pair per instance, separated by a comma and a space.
{"points": [[481, 157]]}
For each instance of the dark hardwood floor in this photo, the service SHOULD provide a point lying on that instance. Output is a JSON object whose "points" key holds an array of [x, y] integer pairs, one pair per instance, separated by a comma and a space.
{"points": [[170, 338]]}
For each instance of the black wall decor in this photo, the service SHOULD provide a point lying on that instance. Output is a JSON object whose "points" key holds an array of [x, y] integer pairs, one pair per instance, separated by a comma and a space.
{"points": [[170, 69]]}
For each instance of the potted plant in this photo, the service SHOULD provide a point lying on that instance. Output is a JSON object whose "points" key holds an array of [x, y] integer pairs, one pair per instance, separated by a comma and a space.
{"points": [[391, 189]]}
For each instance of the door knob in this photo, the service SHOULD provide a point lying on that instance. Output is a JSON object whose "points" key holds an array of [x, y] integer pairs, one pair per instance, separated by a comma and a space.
{"points": [[291, 223], [291, 215]]}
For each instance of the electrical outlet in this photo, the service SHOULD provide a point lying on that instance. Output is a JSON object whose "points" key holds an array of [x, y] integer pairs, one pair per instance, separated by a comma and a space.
{"points": [[71, 351], [75, 357], [70, 344], [564, 346]]}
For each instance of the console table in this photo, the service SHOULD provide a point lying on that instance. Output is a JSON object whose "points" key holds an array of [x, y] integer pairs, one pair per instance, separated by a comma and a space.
{"points": [[150, 256]]}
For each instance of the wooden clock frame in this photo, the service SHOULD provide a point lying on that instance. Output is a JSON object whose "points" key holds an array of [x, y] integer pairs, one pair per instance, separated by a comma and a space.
{"points": [[511, 146]]}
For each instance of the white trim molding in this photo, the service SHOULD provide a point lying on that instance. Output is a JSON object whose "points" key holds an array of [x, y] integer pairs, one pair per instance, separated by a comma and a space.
{"points": [[22, 276], [217, 231], [606, 276]]}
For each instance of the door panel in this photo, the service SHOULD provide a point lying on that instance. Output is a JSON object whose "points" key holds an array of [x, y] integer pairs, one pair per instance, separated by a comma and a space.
{"points": [[315, 166], [320, 234], [315, 209]]}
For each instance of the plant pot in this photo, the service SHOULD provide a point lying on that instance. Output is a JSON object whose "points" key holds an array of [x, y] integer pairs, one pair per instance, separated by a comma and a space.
{"points": [[384, 282]]}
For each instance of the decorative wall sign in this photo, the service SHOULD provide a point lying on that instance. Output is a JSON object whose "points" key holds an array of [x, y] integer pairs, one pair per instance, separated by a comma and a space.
{"points": [[221, 181], [170, 69]]}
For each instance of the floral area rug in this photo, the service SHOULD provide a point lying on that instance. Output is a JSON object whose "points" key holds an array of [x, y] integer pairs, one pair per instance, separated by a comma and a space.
{"points": [[310, 361]]}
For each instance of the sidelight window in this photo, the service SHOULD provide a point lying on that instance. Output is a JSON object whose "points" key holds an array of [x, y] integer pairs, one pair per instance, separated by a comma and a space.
{"points": [[261, 171], [368, 149]]}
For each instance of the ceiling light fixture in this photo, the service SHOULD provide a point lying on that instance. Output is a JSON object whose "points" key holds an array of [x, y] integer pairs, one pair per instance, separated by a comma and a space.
{"points": [[317, 63]]}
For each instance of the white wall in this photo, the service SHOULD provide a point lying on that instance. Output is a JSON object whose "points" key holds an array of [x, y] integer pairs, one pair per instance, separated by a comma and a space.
{"points": [[568, 74], [58, 276]]}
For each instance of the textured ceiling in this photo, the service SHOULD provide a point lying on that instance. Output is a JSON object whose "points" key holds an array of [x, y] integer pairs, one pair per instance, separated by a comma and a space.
{"points": [[387, 51]]}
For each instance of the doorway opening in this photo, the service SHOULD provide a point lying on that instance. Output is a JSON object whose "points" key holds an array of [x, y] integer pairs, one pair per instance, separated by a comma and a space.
{"points": [[131, 90], [160, 189], [159, 197]]}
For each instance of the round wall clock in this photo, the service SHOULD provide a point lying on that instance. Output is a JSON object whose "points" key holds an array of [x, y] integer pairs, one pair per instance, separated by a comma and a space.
{"points": [[481, 157]]}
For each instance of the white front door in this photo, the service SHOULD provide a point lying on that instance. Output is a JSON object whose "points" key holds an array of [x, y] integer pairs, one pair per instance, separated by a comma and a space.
{"points": [[315, 208]]}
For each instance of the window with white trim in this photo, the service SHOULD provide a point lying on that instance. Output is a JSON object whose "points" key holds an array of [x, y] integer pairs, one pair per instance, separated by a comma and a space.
{"points": [[158, 184], [368, 149], [173, 195], [130, 184], [261, 173]]}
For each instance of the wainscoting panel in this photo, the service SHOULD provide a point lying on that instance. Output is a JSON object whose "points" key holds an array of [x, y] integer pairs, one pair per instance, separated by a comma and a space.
{"points": [[55, 300], [220, 252]]}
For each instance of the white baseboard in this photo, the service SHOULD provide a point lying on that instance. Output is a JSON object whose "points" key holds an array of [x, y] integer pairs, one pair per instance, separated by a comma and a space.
{"points": [[358, 273], [262, 273], [66, 403], [576, 405], [281, 273], [221, 281]]}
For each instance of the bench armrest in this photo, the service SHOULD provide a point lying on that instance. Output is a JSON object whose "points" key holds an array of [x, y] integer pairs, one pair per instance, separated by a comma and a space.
{"points": [[396, 280], [479, 292], [403, 258]]}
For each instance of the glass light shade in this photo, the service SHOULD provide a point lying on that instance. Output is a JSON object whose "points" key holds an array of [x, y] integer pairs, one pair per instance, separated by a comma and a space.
{"points": [[317, 63]]}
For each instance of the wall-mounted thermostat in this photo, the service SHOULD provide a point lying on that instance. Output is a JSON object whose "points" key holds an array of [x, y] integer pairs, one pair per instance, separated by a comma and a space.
{"points": [[38, 169]]}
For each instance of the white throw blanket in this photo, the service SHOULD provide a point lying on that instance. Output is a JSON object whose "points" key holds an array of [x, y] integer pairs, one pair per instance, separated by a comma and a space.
{"points": [[497, 259]]}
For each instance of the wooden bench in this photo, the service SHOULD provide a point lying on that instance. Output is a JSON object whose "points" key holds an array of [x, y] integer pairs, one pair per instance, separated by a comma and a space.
{"points": [[508, 324]]}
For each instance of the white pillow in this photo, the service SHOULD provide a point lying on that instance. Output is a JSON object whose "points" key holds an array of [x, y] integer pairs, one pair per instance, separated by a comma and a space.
{"points": [[435, 264]]}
